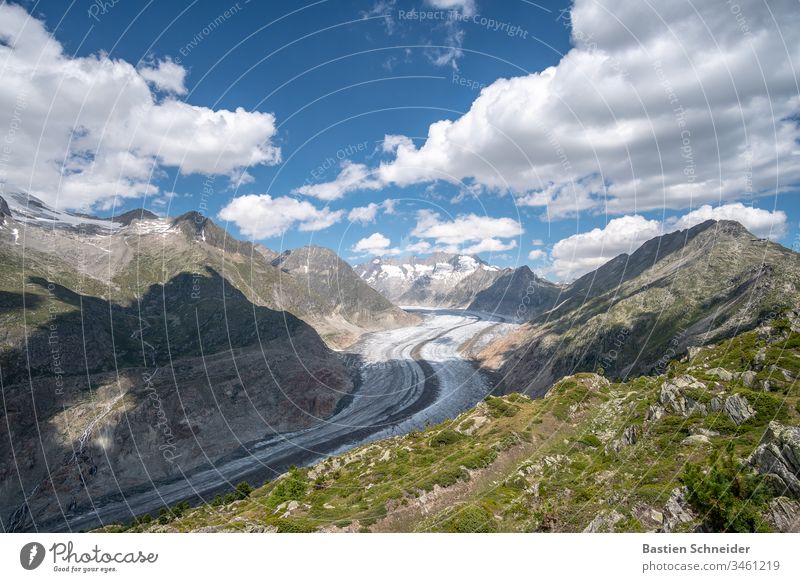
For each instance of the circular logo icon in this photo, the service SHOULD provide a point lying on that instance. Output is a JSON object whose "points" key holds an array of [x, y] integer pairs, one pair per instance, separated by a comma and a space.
{"points": [[31, 555]]}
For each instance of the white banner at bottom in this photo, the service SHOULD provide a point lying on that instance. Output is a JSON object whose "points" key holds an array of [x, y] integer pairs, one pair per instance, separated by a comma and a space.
{"points": [[390, 557]]}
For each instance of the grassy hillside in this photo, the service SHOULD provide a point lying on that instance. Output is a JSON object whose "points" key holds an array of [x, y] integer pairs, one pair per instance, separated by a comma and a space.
{"points": [[668, 453]]}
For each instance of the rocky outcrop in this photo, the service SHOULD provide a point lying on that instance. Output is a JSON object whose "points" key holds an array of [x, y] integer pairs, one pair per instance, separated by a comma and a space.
{"points": [[604, 522], [519, 294], [673, 397], [778, 457], [738, 408], [677, 510], [720, 373], [784, 515], [638, 312]]}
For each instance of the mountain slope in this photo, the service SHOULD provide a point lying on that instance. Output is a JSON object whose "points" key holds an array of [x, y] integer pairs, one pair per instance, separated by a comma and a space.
{"points": [[518, 294], [145, 349], [696, 449], [321, 272], [635, 313], [440, 280]]}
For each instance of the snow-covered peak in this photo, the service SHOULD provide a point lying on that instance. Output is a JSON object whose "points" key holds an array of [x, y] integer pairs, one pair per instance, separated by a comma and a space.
{"points": [[437, 273], [30, 210]]}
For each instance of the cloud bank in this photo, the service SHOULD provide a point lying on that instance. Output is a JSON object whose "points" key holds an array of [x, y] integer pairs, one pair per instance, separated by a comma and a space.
{"points": [[89, 129]]}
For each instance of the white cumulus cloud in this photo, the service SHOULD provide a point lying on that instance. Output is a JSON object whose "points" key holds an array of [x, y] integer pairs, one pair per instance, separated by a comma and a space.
{"points": [[89, 129], [760, 222], [367, 214], [165, 75], [374, 245], [353, 176], [536, 255], [584, 252], [581, 253], [464, 228], [466, 7], [262, 216], [658, 105]]}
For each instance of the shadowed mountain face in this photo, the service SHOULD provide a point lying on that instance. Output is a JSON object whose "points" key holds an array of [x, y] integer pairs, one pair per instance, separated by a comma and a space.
{"points": [[104, 398], [322, 273], [636, 313], [139, 350], [518, 294]]}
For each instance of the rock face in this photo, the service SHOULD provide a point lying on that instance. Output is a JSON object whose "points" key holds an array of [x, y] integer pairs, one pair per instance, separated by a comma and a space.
{"points": [[674, 399], [778, 456], [738, 408], [518, 294], [677, 510], [153, 347], [440, 280], [322, 273], [604, 522], [636, 313], [784, 515]]}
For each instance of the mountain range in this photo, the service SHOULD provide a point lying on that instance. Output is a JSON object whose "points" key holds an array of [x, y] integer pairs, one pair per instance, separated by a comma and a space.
{"points": [[631, 316], [140, 348], [128, 340], [638, 312]]}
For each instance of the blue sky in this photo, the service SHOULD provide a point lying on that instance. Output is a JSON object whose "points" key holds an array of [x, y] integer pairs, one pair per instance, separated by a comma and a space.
{"points": [[337, 77]]}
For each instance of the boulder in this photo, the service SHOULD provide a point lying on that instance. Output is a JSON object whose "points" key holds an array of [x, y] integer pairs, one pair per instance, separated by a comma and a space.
{"points": [[677, 510], [687, 381], [749, 379], [655, 412], [673, 398], [778, 456], [738, 408], [784, 515], [703, 431], [604, 522], [716, 404], [720, 373], [630, 435]]}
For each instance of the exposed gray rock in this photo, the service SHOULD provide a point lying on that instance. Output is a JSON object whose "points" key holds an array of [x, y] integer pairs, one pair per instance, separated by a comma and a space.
{"points": [[687, 381], [738, 408], [673, 398], [655, 412], [699, 430], [696, 439], [716, 404], [784, 515], [677, 510], [721, 373], [692, 351], [778, 456], [749, 379], [604, 522], [630, 435]]}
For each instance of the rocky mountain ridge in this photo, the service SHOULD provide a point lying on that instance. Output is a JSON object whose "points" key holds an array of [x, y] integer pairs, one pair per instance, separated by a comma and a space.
{"points": [[438, 280], [636, 313], [711, 445], [142, 348]]}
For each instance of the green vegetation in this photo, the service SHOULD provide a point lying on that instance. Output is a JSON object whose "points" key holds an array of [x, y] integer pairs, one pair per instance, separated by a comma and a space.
{"points": [[471, 519], [727, 497], [555, 464]]}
